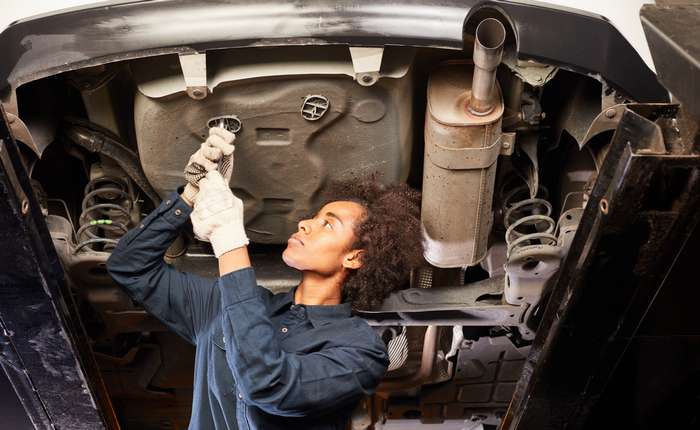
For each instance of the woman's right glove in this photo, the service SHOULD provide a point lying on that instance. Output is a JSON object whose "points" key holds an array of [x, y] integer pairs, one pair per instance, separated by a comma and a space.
{"points": [[218, 215], [216, 153]]}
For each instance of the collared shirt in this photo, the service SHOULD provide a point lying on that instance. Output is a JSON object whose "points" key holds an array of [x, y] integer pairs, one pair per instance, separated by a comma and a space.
{"points": [[262, 362]]}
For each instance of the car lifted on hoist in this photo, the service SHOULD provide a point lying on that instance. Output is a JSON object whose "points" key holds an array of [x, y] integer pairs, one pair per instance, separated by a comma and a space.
{"points": [[558, 184]]}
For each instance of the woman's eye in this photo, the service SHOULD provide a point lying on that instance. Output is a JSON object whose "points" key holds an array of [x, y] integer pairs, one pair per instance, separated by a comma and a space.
{"points": [[328, 225]]}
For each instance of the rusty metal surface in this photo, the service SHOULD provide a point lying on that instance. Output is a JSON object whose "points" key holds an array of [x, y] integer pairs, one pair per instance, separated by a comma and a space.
{"points": [[489, 37], [459, 168]]}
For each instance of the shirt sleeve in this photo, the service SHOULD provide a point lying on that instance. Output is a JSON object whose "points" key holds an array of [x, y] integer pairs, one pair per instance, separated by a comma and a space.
{"points": [[182, 301], [289, 384]]}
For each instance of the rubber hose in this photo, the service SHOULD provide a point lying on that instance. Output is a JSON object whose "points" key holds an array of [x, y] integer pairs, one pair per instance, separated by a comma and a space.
{"points": [[97, 142]]}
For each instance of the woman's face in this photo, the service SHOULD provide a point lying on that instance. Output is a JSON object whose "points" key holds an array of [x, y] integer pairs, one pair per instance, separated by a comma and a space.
{"points": [[322, 244]]}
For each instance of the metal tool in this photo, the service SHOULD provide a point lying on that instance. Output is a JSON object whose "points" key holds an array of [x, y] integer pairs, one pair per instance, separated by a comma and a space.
{"points": [[228, 122]]}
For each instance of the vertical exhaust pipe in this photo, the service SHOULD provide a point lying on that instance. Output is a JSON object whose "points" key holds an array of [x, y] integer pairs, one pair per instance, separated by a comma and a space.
{"points": [[488, 50]]}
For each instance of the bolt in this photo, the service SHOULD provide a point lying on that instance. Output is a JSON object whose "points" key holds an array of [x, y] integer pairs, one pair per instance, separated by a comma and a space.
{"points": [[506, 145], [197, 93], [604, 206], [610, 113], [25, 206]]}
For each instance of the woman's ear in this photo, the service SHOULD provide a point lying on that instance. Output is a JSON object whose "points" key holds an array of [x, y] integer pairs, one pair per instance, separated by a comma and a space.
{"points": [[353, 259]]}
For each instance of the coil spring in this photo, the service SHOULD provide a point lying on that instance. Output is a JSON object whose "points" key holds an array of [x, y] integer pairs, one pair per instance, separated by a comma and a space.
{"points": [[528, 222], [106, 208]]}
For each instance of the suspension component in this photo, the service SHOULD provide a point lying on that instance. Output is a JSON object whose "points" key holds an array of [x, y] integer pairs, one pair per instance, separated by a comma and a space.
{"points": [[533, 254], [529, 223], [106, 213]]}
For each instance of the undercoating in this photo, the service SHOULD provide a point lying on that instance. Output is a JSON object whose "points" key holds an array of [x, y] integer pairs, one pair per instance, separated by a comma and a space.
{"points": [[283, 161]]}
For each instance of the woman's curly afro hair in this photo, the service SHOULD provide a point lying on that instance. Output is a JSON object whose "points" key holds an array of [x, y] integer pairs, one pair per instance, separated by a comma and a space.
{"points": [[389, 233]]}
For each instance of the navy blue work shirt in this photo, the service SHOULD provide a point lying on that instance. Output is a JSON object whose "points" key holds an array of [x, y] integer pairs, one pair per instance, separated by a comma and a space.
{"points": [[262, 362]]}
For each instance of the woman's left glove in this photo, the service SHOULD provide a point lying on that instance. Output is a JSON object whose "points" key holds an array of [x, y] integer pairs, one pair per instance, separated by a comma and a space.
{"points": [[218, 215], [216, 153]]}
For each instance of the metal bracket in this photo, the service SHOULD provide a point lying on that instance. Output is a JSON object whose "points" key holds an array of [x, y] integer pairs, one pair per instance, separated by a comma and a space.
{"points": [[531, 72], [528, 271], [366, 63], [194, 70], [507, 141], [471, 158], [608, 119], [476, 304]]}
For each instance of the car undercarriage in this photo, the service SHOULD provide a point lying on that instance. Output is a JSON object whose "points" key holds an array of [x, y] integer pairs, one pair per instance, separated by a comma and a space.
{"points": [[531, 149]]}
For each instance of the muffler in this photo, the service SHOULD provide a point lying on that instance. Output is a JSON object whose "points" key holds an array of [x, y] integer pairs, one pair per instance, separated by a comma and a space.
{"points": [[462, 144]]}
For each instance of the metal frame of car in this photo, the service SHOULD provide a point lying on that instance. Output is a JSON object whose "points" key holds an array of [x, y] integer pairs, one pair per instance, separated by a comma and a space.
{"points": [[82, 37]]}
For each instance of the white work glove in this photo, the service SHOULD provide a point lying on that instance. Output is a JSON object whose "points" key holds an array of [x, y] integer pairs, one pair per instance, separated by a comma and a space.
{"points": [[218, 215], [215, 153]]}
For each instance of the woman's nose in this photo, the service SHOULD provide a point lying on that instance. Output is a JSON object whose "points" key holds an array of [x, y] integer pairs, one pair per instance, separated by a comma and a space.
{"points": [[304, 226]]}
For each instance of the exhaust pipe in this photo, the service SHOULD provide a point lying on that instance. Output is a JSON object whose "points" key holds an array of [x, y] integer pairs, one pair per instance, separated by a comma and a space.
{"points": [[488, 50]]}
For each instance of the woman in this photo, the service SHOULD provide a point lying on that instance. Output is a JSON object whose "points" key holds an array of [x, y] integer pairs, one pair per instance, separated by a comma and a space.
{"points": [[290, 360]]}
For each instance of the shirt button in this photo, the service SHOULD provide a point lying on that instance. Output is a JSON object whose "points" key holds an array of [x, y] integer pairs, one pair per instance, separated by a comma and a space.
{"points": [[167, 202], [285, 329], [178, 212], [240, 396], [142, 226], [223, 339]]}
